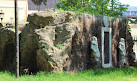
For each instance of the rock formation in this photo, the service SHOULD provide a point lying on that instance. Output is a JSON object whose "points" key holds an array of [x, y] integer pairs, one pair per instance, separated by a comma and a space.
{"points": [[95, 54], [7, 49], [56, 41], [46, 41], [122, 53]]}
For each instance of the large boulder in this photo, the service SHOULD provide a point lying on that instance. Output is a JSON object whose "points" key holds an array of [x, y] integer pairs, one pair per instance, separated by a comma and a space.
{"points": [[7, 49], [56, 40], [46, 41], [91, 26]]}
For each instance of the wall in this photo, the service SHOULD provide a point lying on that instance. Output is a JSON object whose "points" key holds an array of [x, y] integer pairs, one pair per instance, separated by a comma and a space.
{"points": [[7, 6]]}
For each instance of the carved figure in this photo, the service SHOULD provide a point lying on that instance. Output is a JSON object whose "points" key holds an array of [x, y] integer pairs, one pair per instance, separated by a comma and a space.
{"points": [[122, 53], [106, 21], [95, 51]]}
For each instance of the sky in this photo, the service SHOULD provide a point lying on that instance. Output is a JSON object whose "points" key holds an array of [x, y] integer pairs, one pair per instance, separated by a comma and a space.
{"points": [[129, 2]]}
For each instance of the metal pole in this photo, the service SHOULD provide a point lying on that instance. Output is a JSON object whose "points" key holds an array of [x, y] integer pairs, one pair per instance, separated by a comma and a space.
{"points": [[17, 39]]}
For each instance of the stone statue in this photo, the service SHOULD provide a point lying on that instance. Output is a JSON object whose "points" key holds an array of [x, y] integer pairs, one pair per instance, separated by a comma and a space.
{"points": [[122, 53], [95, 51], [106, 21]]}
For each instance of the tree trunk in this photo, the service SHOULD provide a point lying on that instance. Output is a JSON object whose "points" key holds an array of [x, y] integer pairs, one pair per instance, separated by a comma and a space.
{"points": [[17, 39], [38, 8]]}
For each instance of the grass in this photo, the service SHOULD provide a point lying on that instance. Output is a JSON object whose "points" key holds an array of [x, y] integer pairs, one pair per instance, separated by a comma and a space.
{"points": [[115, 74]]}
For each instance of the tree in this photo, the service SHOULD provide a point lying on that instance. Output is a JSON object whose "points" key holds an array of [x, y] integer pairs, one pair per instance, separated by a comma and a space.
{"points": [[117, 8], [95, 7], [39, 2]]}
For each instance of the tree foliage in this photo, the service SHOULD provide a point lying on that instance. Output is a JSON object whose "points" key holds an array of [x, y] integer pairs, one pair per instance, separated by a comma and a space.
{"points": [[39, 2], [133, 22], [96, 7]]}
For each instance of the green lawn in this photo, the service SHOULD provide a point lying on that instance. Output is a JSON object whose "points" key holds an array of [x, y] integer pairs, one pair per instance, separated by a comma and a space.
{"points": [[123, 74]]}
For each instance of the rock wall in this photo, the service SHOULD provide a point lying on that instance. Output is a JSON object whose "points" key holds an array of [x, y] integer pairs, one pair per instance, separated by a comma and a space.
{"points": [[56, 41]]}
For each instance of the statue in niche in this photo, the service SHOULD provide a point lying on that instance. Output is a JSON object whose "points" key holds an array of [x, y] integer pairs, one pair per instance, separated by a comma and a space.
{"points": [[95, 51], [122, 53], [106, 21]]}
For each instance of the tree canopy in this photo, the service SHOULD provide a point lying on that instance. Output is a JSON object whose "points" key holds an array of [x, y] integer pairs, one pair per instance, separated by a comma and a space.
{"points": [[39, 2], [95, 7]]}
